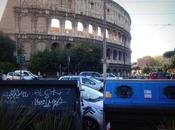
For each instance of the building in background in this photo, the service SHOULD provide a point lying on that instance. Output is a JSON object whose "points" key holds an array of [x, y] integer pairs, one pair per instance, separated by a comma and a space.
{"points": [[37, 25]]}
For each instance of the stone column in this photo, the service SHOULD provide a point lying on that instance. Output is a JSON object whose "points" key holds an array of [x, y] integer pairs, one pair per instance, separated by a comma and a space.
{"points": [[62, 26], [48, 25], [74, 27]]}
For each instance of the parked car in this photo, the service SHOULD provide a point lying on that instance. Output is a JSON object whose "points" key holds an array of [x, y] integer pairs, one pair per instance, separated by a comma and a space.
{"points": [[91, 82], [1, 76], [93, 74], [159, 75], [173, 76], [99, 76], [27, 73], [92, 108], [112, 76], [19, 76]]}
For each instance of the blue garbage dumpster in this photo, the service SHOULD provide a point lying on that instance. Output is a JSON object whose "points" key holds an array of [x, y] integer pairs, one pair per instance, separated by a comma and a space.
{"points": [[139, 104]]}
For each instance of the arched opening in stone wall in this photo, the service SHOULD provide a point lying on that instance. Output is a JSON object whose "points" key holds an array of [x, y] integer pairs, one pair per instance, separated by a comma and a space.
{"points": [[124, 40], [124, 56], [55, 45], [115, 55], [114, 71], [68, 26], [68, 46], [90, 29], [108, 53], [99, 32], [108, 71], [119, 36], [55, 25], [80, 27]]}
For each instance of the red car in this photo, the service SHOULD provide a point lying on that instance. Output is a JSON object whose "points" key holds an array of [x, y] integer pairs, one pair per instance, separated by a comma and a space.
{"points": [[159, 75]]}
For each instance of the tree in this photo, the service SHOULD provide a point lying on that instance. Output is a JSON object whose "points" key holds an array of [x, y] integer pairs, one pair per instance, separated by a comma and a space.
{"points": [[7, 49], [48, 61], [77, 58], [169, 54], [173, 63], [86, 57], [7, 58]]}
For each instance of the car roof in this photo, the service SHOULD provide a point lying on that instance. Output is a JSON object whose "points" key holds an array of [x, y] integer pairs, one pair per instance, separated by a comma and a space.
{"points": [[89, 72], [68, 76]]}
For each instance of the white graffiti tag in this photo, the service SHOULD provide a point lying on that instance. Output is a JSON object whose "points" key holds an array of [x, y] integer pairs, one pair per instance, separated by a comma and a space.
{"points": [[48, 98], [15, 94]]}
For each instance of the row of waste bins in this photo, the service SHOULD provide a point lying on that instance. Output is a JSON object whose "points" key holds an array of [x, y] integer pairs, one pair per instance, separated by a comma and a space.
{"points": [[128, 104]]}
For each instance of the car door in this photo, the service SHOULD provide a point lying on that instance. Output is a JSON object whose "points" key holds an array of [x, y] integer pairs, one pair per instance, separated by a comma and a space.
{"points": [[16, 76]]}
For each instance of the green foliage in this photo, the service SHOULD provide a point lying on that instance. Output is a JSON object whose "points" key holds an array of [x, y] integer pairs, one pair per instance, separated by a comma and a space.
{"points": [[86, 57], [52, 121], [15, 117], [5, 67], [169, 54], [82, 57], [147, 70], [168, 122], [7, 49], [48, 61], [173, 62]]}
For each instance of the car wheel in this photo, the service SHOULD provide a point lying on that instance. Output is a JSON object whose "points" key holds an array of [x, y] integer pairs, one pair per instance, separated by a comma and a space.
{"points": [[90, 124]]}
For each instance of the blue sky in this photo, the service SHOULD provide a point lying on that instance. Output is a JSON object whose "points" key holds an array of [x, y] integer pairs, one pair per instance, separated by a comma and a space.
{"points": [[153, 25]]}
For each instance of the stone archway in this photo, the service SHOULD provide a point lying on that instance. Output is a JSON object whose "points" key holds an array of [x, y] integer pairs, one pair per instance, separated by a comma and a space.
{"points": [[68, 45], [55, 45]]}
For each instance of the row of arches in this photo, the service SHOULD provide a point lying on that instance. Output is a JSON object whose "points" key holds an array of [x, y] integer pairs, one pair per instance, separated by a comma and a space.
{"points": [[68, 26], [117, 55]]}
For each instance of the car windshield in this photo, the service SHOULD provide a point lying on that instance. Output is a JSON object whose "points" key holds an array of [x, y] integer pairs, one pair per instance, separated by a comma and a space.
{"points": [[90, 94], [95, 80]]}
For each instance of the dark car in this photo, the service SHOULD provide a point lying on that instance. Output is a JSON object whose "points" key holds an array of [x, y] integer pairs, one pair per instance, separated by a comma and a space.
{"points": [[1, 76], [173, 76], [159, 75]]}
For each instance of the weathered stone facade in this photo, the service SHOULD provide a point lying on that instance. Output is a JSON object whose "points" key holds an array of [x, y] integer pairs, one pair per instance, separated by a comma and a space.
{"points": [[31, 24]]}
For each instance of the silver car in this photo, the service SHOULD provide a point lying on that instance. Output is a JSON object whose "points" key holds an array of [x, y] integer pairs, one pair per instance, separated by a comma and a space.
{"points": [[92, 108], [18, 76], [91, 82]]}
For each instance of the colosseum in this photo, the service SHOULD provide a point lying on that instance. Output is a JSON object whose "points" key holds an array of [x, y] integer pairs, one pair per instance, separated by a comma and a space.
{"points": [[39, 24]]}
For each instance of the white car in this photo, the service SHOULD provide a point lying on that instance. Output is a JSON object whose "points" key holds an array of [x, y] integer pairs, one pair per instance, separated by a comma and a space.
{"points": [[91, 82], [92, 108], [27, 73], [112, 76], [18, 76]]}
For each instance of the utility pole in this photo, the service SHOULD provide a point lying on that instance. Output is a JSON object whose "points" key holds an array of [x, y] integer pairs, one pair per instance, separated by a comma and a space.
{"points": [[104, 42]]}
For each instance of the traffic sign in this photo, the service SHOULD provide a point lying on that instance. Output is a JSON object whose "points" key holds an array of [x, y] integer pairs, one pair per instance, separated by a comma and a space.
{"points": [[20, 59]]}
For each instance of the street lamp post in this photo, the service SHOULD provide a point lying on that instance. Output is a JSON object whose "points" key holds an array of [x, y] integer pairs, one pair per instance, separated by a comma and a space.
{"points": [[68, 65], [104, 42]]}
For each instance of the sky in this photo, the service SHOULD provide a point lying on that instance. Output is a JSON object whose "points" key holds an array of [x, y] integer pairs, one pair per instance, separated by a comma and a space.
{"points": [[152, 28]]}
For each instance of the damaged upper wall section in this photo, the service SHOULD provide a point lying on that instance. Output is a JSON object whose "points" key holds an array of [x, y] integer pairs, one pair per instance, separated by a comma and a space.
{"points": [[93, 8]]}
